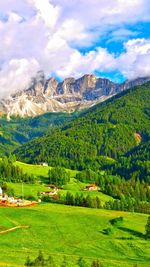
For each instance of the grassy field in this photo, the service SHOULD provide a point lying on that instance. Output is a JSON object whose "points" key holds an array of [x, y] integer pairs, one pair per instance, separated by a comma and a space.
{"points": [[73, 186], [74, 232], [38, 170]]}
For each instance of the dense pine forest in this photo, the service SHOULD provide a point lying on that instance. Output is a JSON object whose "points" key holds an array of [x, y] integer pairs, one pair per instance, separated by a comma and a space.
{"points": [[113, 135]]}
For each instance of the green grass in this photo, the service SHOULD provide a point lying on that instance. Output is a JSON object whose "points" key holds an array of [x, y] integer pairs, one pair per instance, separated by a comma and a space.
{"points": [[28, 189], [76, 187], [73, 186], [38, 170], [75, 232], [41, 172]]}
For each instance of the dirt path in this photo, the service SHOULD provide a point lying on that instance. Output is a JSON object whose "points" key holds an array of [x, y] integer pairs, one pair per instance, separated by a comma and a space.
{"points": [[13, 229]]}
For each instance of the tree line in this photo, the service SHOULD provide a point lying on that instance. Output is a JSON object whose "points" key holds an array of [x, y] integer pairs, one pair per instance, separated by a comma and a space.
{"points": [[116, 186], [58, 176], [42, 261], [14, 174]]}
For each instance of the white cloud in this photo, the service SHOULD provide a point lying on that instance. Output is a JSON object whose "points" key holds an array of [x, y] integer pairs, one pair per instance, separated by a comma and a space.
{"points": [[17, 75], [79, 64], [47, 35], [47, 11], [135, 61]]}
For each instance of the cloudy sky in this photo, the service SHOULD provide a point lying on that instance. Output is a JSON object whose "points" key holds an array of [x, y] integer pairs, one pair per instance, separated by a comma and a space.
{"points": [[72, 37]]}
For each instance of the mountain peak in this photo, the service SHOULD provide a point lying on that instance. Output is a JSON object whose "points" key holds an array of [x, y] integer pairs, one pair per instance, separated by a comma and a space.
{"points": [[65, 96]]}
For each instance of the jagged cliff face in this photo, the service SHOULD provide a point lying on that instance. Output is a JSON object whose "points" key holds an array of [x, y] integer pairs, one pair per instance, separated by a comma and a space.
{"points": [[67, 96]]}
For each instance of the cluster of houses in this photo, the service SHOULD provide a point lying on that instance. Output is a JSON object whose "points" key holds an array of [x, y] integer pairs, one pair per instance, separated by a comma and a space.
{"points": [[5, 199], [54, 189]]}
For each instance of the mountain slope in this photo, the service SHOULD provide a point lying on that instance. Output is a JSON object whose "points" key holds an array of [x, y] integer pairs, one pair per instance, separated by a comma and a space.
{"points": [[108, 129], [17, 131], [52, 96]]}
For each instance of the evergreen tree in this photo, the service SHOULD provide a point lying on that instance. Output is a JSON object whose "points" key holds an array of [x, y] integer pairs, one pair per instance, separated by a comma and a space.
{"points": [[96, 263], [81, 262], [50, 262], [64, 263], [28, 262], [39, 261]]}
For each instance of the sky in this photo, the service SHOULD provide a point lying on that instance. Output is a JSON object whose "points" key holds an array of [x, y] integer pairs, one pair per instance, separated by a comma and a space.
{"points": [[70, 38]]}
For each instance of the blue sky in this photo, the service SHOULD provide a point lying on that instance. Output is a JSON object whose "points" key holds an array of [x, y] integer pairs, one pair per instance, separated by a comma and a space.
{"points": [[71, 38]]}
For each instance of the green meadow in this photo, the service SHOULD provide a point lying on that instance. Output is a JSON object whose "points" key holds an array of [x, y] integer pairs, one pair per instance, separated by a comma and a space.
{"points": [[41, 172], [73, 187], [68, 231], [73, 232], [38, 170]]}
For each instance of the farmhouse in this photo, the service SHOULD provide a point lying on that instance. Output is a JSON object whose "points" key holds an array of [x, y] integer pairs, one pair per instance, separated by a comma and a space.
{"points": [[51, 186], [91, 187], [43, 164], [47, 193]]}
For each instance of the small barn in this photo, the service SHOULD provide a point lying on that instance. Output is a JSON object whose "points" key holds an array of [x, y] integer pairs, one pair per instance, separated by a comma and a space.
{"points": [[91, 187], [43, 164]]}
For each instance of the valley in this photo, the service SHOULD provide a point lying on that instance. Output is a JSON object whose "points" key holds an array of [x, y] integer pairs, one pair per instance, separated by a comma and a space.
{"points": [[86, 168], [75, 133]]}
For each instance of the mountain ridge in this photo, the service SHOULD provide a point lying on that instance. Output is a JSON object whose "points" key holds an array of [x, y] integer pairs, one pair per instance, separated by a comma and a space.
{"points": [[67, 96]]}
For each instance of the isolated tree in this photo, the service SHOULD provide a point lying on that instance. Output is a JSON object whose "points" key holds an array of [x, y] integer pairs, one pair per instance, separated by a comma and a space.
{"points": [[81, 262], [28, 262], [50, 262], [96, 263], [147, 228], [64, 263], [39, 261]]}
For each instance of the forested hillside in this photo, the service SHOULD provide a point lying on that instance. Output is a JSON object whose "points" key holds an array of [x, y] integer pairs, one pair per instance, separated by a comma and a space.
{"points": [[119, 127], [17, 131]]}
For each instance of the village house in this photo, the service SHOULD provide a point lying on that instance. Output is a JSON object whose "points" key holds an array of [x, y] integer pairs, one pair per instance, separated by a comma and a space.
{"points": [[47, 193], [43, 164], [51, 186], [91, 187]]}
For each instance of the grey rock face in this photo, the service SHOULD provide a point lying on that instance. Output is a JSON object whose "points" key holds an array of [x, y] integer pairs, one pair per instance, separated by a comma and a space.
{"points": [[69, 95]]}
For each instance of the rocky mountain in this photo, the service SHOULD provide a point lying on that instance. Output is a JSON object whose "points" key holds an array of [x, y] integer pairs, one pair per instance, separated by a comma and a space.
{"points": [[67, 96]]}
